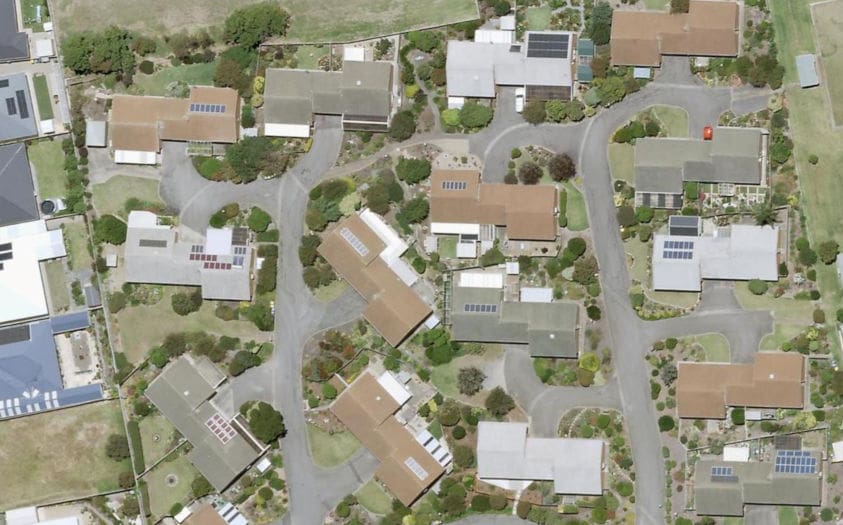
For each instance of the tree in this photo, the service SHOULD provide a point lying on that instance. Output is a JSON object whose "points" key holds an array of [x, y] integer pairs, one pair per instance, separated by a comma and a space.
{"points": [[626, 216], [184, 303], [474, 115], [576, 246], [764, 214], [451, 117], [130, 508], [585, 270], [652, 128], [251, 25], [492, 257], [561, 167], [261, 316], [307, 249], [117, 447], [669, 374], [126, 479], [470, 380], [449, 413], [425, 41], [501, 7], [242, 361], [828, 250], [253, 157], [530, 173], [110, 229], [556, 110], [259, 220], [403, 125], [666, 423], [593, 312], [600, 25], [412, 171], [106, 52], [230, 74], [534, 112], [464, 456], [589, 361], [481, 503], [414, 210], [644, 214], [610, 89], [200, 487], [680, 6], [499, 403], [266, 423]]}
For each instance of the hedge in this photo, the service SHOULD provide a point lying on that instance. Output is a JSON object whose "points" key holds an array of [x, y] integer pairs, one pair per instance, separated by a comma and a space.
{"points": [[137, 447], [144, 490]]}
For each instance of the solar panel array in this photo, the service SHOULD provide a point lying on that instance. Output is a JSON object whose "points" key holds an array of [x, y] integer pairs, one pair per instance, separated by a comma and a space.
{"points": [[679, 245], [481, 308], [5, 253], [547, 45], [678, 250], [795, 462], [22, 107], [723, 474], [355, 243], [152, 243], [15, 334], [678, 255], [207, 108], [220, 428], [417, 469], [216, 266], [454, 185], [202, 257], [197, 248]]}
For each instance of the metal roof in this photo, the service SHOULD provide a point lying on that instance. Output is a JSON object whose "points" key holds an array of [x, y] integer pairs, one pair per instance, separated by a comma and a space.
{"points": [[806, 65], [17, 198], [14, 44], [70, 322]]}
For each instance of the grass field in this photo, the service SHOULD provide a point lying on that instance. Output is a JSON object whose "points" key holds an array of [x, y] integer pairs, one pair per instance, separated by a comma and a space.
{"points": [[331, 450], [655, 4], [791, 316], [59, 295], [576, 210], [47, 159], [193, 74], [716, 347], [142, 327], [152, 427], [621, 159], [169, 483], [59, 455], [76, 239], [829, 31], [794, 35], [674, 121], [373, 498], [788, 516], [538, 18], [42, 97], [110, 196], [28, 10]]}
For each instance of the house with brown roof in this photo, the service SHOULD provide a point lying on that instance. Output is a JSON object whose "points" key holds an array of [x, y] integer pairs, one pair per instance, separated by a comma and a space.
{"points": [[366, 252], [773, 380], [409, 463], [708, 29], [138, 125], [461, 204]]}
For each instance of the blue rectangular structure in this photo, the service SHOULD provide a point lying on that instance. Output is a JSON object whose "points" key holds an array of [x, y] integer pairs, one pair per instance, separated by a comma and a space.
{"points": [[70, 322]]}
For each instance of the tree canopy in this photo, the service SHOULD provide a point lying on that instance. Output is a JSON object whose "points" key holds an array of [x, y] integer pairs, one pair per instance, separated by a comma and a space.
{"points": [[499, 403], [266, 423], [534, 112], [110, 229], [412, 171], [530, 173], [474, 115], [561, 167], [251, 25], [106, 52], [600, 25], [403, 125]]}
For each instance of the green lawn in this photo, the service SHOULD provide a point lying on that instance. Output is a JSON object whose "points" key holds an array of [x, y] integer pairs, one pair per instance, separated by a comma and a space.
{"points": [[330, 292], [782, 332], [76, 240], [59, 455], [42, 97], [374, 498], [639, 251], [621, 159], [110, 196], [307, 57], [435, 429], [28, 10], [674, 120], [793, 30], [576, 211], [827, 16], [679, 299], [788, 516], [784, 309], [331, 450], [733, 521], [716, 347], [447, 247], [47, 160], [156, 437], [193, 74], [655, 4], [169, 483], [142, 327], [315, 21], [59, 295], [538, 18]]}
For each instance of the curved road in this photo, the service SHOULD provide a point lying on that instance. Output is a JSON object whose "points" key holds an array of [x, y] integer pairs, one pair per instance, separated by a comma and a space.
{"points": [[313, 490]]}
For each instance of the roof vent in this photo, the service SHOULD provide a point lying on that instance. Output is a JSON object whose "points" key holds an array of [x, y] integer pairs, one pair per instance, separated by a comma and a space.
{"points": [[359, 82], [772, 376], [186, 393], [377, 398], [553, 336]]}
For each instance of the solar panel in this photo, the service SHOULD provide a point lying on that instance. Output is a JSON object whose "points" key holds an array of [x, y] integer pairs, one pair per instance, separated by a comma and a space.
{"points": [[5, 247], [4, 83], [11, 108], [795, 462], [480, 308], [152, 243], [5, 256], [453, 185], [355, 243], [547, 45], [22, 107], [15, 334]]}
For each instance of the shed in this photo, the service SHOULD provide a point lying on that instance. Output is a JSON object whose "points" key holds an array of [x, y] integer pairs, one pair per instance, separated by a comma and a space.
{"points": [[93, 299], [111, 260], [806, 65], [353, 54], [263, 465], [95, 133], [837, 452], [44, 48], [642, 72]]}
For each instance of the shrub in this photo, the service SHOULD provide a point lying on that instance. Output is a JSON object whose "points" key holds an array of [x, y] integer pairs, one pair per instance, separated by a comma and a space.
{"points": [[593, 312], [738, 416], [470, 380], [813, 159], [828, 251], [110, 229], [117, 447], [481, 503], [474, 115], [184, 303], [449, 413], [624, 489], [819, 316], [530, 173], [497, 501], [666, 423], [561, 167], [266, 423], [259, 220], [515, 153], [499, 403], [451, 117], [670, 343], [644, 214], [458, 432], [242, 361], [403, 125], [757, 287], [522, 510], [534, 112], [412, 171], [116, 301], [626, 216]]}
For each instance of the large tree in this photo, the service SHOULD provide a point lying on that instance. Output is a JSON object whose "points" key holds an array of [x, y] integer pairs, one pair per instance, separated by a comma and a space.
{"points": [[266, 423], [600, 25], [251, 25], [499, 403], [530, 173], [470, 380], [403, 125], [561, 167]]}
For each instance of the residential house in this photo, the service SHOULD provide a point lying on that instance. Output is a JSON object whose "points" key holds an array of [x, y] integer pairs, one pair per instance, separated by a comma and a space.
{"points": [[737, 252], [138, 125], [221, 263], [461, 204], [14, 43], [734, 156], [542, 65], [773, 380], [223, 446], [361, 94], [366, 252], [708, 29], [410, 463], [789, 477], [480, 313], [17, 117], [508, 458]]}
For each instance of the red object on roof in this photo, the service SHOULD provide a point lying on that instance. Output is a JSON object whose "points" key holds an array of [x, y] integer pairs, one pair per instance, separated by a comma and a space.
{"points": [[708, 133]]}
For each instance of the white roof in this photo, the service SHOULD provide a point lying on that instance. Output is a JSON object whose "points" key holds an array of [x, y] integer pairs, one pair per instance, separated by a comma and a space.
{"points": [[71, 520], [432, 321], [46, 126], [736, 453], [263, 465], [494, 36], [641, 72], [404, 272], [512, 268], [122, 156], [231, 515], [144, 219], [48, 26], [21, 287], [218, 241], [44, 48], [111, 260], [183, 514], [95, 133], [395, 388], [508, 23], [467, 250], [454, 228], [536, 295], [353, 54], [22, 516], [836, 457], [491, 279], [395, 247], [504, 452]]}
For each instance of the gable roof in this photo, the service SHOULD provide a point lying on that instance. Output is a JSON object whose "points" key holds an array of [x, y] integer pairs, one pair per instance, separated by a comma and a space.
{"points": [[14, 44], [17, 200], [17, 116], [527, 212], [640, 38], [140, 123], [773, 380]]}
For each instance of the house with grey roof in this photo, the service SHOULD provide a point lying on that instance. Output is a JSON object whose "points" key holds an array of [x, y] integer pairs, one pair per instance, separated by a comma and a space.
{"points": [[508, 458], [542, 65], [14, 43], [790, 477], [17, 117], [688, 253], [361, 94], [30, 377], [221, 263], [734, 157], [223, 446], [17, 199], [481, 313]]}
